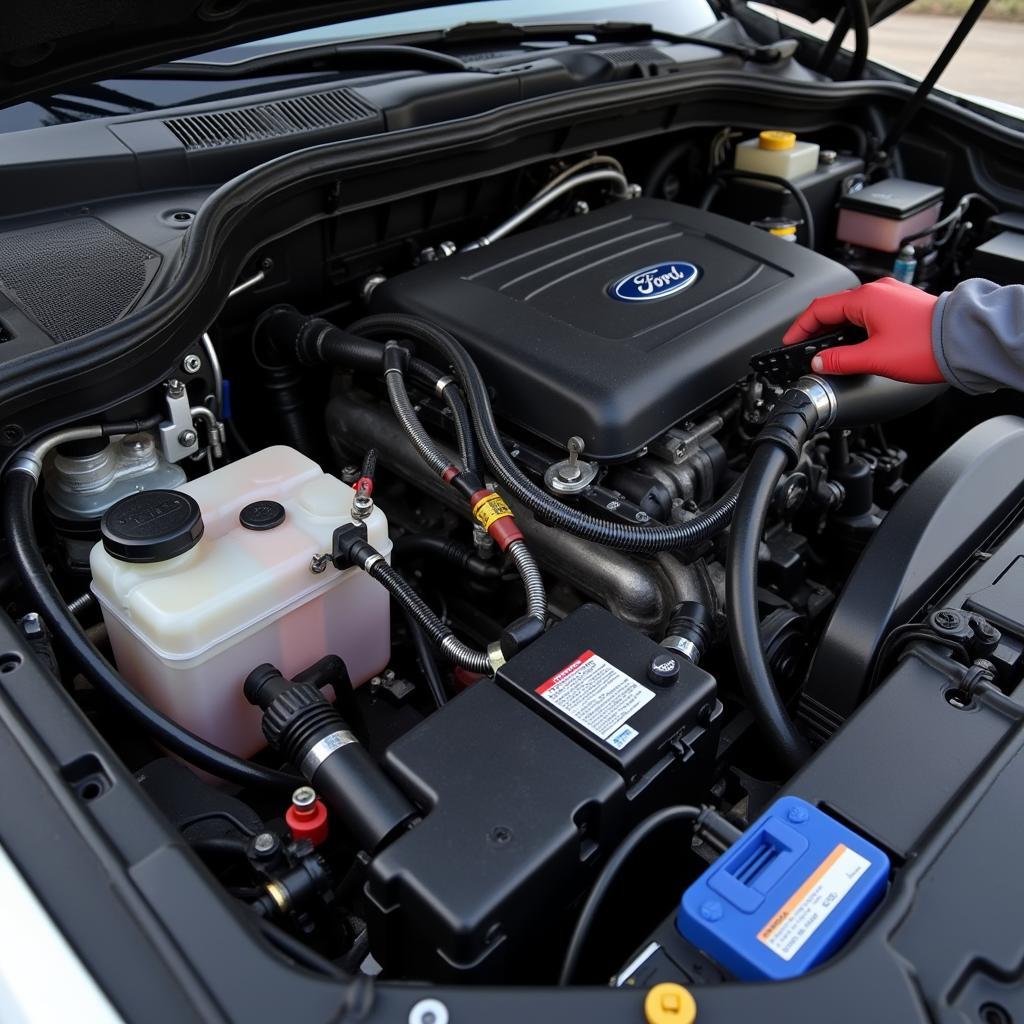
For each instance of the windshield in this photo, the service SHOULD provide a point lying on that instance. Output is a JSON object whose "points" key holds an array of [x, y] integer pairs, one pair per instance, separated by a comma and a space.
{"points": [[675, 16]]}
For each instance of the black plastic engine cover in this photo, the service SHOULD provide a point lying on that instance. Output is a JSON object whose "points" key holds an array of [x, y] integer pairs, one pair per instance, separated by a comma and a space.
{"points": [[565, 356]]}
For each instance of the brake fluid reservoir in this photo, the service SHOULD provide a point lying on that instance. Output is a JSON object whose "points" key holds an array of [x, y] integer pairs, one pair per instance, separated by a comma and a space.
{"points": [[777, 153], [201, 584]]}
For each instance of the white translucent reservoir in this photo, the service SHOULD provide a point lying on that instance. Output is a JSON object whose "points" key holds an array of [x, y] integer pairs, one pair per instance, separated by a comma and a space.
{"points": [[187, 630], [779, 154]]}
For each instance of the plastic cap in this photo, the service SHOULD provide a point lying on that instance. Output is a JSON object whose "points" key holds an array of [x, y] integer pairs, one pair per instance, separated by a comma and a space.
{"points": [[307, 822], [776, 140], [669, 1003], [151, 526]]}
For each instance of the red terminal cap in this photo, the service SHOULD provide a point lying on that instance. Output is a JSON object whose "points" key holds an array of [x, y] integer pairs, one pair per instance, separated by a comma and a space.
{"points": [[307, 816], [364, 484]]}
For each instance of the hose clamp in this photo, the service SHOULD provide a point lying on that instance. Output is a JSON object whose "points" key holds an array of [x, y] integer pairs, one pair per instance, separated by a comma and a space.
{"points": [[681, 645], [442, 383], [372, 561], [27, 463], [822, 397], [322, 749], [495, 656]]}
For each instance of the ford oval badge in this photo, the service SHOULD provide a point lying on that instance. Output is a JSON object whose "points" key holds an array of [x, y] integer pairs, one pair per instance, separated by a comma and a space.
{"points": [[657, 282]]}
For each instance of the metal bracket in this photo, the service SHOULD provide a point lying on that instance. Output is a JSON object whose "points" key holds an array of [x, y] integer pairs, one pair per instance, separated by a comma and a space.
{"points": [[178, 435]]}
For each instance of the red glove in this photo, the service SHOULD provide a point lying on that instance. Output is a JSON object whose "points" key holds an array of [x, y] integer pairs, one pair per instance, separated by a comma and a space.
{"points": [[898, 319]]}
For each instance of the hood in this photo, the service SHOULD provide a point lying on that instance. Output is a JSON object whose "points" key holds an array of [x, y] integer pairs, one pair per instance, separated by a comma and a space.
{"points": [[48, 44]]}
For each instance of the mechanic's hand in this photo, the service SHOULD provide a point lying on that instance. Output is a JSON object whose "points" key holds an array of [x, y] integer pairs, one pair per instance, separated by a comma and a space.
{"points": [[898, 319]]}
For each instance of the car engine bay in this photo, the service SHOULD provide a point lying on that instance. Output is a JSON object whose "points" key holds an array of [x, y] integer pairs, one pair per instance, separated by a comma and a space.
{"points": [[481, 530]]}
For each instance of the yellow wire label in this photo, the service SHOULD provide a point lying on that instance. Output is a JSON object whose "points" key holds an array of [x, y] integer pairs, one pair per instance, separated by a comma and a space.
{"points": [[490, 509]]}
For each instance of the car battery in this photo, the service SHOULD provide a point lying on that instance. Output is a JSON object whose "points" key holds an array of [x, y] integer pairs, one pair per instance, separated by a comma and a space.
{"points": [[632, 704], [786, 895], [525, 784]]}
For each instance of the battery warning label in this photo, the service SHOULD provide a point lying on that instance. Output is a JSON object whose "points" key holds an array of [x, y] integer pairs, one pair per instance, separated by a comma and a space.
{"points": [[805, 911], [598, 696]]}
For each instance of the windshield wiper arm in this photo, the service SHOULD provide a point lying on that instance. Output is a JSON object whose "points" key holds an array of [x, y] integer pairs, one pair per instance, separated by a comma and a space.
{"points": [[321, 57]]}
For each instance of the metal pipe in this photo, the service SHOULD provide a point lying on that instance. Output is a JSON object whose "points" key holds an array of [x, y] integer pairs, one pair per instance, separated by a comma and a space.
{"points": [[249, 282], [546, 198], [218, 373]]}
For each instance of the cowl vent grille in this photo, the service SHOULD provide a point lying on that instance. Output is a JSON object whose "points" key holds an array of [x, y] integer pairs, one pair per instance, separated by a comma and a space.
{"points": [[272, 120]]}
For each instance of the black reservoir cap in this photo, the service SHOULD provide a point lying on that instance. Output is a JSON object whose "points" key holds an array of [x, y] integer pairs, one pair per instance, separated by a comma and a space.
{"points": [[893, 198], [262, 515], [151, 526]]}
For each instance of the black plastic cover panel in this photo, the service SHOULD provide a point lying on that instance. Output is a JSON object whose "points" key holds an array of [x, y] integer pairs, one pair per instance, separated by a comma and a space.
{"points": [[566, 356]]}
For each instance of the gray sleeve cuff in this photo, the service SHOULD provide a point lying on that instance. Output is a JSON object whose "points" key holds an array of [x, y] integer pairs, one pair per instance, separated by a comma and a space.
{"points": [[937, 350], [978, 336]]}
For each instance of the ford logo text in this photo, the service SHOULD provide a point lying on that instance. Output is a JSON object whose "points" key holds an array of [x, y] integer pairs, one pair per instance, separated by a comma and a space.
{"points": [[655, 282]]}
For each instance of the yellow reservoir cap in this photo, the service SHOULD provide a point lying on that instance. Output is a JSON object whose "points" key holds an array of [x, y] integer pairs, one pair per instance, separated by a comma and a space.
{"points": [[783, 232], [776, 140], [669, 1003]]}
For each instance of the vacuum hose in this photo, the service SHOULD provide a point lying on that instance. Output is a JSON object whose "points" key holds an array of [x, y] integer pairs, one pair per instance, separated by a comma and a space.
{"points": [[549, 509], [811, 404]]}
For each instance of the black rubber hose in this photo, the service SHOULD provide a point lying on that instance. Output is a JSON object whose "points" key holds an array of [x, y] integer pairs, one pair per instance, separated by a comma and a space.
{"points": [[284, 384], [766, 467], [553, 512], [795, 191], [608, 875], [402, 407], [18, 491], [463, 430], [311, 341], [427, 662], [460, 555], [316, 341], [440, 634]]}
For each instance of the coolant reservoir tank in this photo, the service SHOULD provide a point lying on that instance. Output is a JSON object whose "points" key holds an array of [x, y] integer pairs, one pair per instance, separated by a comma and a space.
{"points": [[780, 154], [201, 584]]}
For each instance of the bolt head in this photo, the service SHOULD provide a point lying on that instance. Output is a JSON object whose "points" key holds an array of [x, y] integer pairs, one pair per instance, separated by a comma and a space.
{"points": [[303, 798], [175, 388], [32, 625], [362, 506], [187, 438], [947, 620], [265, 842], [192, 363]]}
